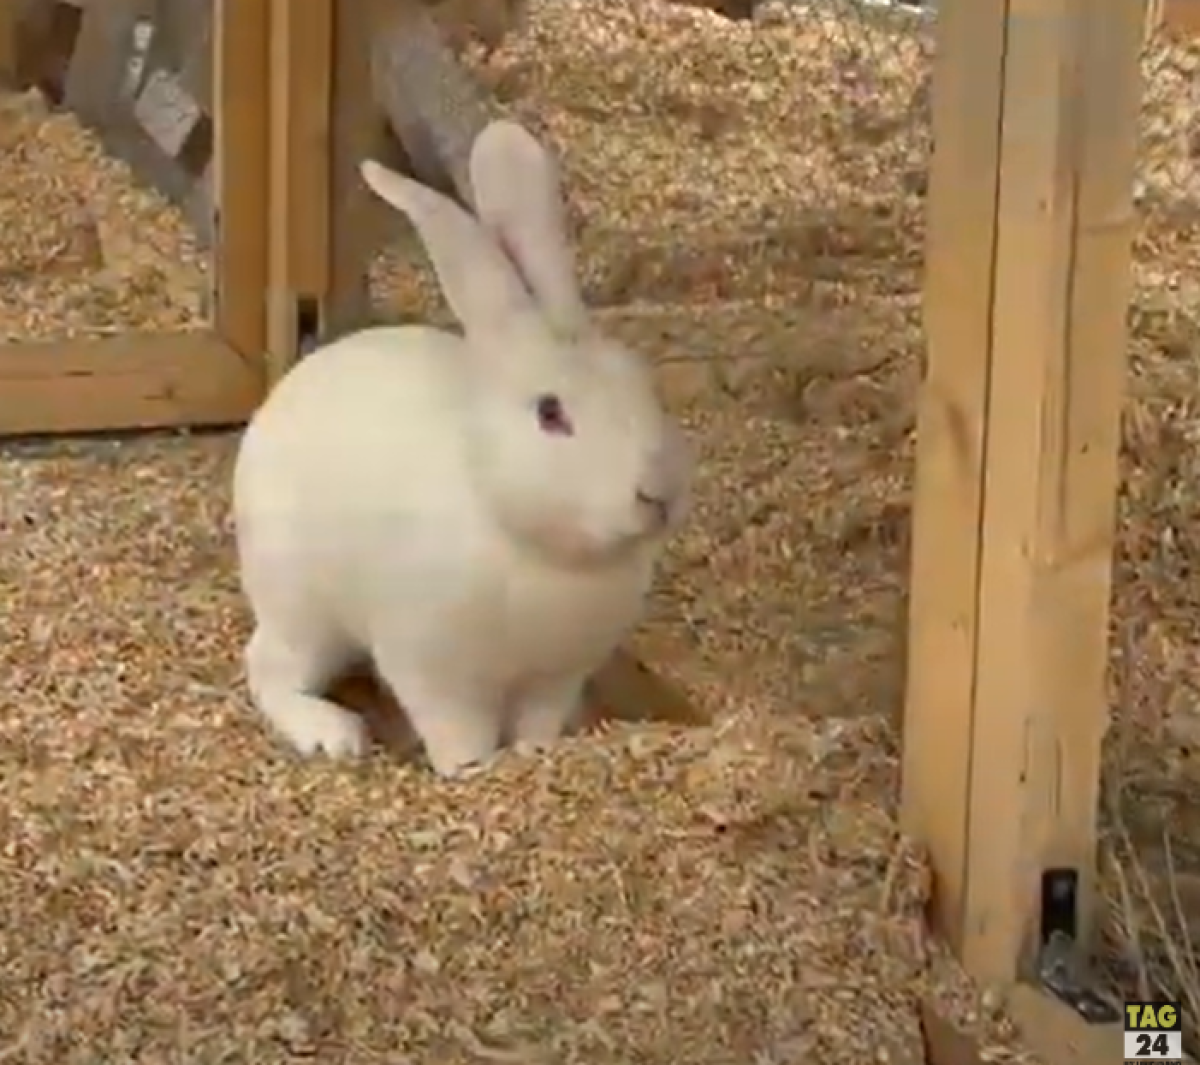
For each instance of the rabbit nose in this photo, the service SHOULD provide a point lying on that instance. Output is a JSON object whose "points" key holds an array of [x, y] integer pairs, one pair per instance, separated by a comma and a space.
{"points": [[661, 507]]}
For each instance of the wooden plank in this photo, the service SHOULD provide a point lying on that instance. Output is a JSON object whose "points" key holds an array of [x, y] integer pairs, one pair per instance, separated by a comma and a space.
{"points": [[1058, 1034], [1034, 708], [1083, 506], [358, 220], [948, 497], [8, 43], [945, 1042], [301, 97], [241, 91], [135, 381], [1013, 723]]}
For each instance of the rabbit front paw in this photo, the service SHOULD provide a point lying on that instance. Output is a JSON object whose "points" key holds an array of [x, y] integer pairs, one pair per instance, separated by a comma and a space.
{"points": [[283, 684], [321, 727], [546, 715]]}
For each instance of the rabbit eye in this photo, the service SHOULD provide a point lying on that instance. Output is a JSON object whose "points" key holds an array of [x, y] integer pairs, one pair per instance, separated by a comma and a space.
{"points": [[552, 417]]}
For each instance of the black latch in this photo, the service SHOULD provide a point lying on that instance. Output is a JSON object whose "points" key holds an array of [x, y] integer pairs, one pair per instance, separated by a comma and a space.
{"points": [[1061, 964], [308, 324]]}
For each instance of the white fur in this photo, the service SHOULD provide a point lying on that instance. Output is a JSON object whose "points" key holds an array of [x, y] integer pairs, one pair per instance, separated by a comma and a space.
{"points": [[396, 500]]}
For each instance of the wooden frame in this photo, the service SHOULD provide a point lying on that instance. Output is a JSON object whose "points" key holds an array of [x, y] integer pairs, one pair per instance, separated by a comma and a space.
{"points": [[1030, 229], [323, 222], [206, 377]]}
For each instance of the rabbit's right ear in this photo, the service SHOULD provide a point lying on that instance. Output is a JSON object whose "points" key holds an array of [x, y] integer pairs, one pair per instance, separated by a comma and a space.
{"points": [[518, 196], [475, 274]]}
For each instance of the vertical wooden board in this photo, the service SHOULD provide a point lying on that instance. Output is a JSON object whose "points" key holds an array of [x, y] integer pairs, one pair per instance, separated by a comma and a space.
{"points": [[1040, 708], [1027, 386], [1085, 505], [1028, 696], [960, 254], [309, 145], [8, 43], [301, 98], [240, 173], [359, 130], [1058, 1034]]}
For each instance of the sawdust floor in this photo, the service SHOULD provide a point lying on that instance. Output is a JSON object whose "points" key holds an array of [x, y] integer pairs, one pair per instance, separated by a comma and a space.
{"points": [[174, 880], [179, 888]]}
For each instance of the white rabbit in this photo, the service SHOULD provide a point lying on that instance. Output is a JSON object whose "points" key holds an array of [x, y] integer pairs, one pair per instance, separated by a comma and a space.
{"points": [[478, 516]]}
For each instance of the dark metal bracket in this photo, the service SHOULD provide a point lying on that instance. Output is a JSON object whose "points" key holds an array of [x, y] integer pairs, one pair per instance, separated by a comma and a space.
{"points": [[1061, 963], [308, 325]]}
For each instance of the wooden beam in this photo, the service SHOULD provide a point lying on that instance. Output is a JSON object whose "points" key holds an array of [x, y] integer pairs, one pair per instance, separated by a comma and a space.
{"points": [[301, 98], [359, 130], [1018, 434], [1085, 480], [948, 497], [241, 112], [1058, 1034], [8, 44], [133, 381]]}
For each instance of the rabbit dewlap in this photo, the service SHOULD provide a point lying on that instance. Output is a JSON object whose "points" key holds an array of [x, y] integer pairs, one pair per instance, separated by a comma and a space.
{"points": [[478, 515]]}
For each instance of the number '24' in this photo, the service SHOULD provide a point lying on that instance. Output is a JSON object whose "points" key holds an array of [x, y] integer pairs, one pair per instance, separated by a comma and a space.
{"points": [[1151, 1045]]}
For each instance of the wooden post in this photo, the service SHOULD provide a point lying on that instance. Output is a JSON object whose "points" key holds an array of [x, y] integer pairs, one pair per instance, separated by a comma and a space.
{"points": [[359, 132], [301, 93], [1030, 227], [8, 43], [241, 105]]}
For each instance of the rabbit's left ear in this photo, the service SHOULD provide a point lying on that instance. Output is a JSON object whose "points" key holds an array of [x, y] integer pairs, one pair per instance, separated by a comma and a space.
{"points": [[476, 276], [518, 198]]}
